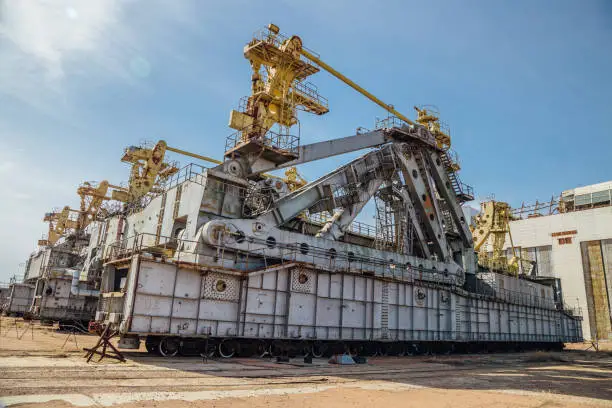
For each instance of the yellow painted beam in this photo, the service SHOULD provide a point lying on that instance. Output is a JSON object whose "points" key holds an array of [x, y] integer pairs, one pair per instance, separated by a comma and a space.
{"points": [[194, 155], [388, 108], [208, 159]]}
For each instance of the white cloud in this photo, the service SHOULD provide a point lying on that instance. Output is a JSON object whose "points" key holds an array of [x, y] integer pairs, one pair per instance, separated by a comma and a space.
{"points": [[18, 195], [6, 166], [55, 54], [51, 50], [50, 31], [47, 46]]}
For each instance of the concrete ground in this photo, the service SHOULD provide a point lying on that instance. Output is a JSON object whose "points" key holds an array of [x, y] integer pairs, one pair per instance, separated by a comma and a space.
{"points": [[45, 368]]}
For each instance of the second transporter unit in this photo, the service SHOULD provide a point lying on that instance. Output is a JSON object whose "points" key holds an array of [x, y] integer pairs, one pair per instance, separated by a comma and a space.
{"points": [[230, 259]]}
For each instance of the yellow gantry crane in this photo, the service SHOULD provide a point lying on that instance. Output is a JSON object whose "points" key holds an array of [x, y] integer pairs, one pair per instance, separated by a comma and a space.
{"points": [[280, 65], [491, 226], [59, 223], [149, 169], [430, 118], [91, 198], [278, 89]]}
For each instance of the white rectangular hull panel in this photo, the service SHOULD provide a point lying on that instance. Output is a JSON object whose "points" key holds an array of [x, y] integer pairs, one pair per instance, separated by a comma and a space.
{"points": [[299, 303]]}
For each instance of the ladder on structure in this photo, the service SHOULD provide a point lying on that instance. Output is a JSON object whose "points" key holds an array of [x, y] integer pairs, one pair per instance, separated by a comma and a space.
{"points": [[160, 218], [384, 311], [458, 322]]}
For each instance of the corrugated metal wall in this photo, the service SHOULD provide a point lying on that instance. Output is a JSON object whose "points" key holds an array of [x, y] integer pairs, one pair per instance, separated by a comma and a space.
{"points": [[544, 260], [597, 289], [606, 249], [541, 255]]}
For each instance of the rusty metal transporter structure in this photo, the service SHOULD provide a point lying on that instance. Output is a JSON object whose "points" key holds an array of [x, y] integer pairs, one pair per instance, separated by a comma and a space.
{"points": [[229, 260]]}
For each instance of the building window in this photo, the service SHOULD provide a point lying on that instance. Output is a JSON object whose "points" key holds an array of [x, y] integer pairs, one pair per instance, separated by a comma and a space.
{"points": [[566, 240]]}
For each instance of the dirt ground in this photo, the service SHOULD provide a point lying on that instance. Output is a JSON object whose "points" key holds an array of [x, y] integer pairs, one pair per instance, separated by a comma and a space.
{"points": [[41, 367]]}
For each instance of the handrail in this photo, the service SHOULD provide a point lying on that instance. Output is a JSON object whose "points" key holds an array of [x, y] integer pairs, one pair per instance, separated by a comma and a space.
{"points": [[259, 257]]}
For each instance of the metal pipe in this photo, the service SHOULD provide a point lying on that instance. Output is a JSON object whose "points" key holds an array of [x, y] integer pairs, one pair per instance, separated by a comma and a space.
{"points": [[388, 108]]}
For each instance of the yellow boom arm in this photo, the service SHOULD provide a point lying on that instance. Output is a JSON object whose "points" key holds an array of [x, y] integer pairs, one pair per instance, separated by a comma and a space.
{"points": [[387, 107]]}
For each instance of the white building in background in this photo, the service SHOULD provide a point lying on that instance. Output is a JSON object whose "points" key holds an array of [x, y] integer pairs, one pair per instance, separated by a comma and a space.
{"points": [[574, 244]]}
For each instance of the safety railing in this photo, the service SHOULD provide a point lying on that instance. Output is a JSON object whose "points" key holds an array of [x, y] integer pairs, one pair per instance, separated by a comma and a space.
{"points": [[192, 172], [330, 259], [466, 189], [277, 40], [524, 298], [489, 288], [453, 156], [388, 122], [362, 228], [310, 90], [356, 227], [537, 209], [267, 138], [264, 253], [575, 311], [259, 253]]}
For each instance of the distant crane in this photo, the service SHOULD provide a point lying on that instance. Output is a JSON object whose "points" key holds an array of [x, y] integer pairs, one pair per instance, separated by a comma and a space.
{"points": [[91, 198]]}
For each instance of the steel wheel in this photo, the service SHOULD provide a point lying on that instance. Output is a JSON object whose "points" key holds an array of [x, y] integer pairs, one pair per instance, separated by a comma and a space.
{"points": [[227, 349], [318, 350], [169, 347], [262, 349]]}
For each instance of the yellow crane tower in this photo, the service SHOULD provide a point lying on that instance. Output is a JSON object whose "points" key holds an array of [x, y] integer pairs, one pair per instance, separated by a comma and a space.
{"points": [[429, 117], [278, 89], [491, 226], [91, 199], [59, 223], [149, 169]]}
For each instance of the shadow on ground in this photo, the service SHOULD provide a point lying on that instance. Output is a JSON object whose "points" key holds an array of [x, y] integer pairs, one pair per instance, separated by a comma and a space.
{"points": [[575, 373]]}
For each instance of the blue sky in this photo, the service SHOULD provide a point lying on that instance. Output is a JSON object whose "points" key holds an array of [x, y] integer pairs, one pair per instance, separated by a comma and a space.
{"points": [[525, 86]]}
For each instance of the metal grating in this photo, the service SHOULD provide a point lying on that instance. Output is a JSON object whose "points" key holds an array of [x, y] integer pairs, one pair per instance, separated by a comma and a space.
{"points": [[302, 280], [221, 287]]}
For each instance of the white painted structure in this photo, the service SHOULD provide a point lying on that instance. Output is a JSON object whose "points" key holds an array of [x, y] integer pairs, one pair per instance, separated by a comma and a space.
{"points": [[51, 290], [555, 241], [295, 301], [228, 255], [311, 295], [20, 298]]}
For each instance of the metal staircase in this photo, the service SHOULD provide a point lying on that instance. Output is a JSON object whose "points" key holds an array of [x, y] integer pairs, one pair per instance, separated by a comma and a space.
{"points": [[449, 226], [463, 192]]}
